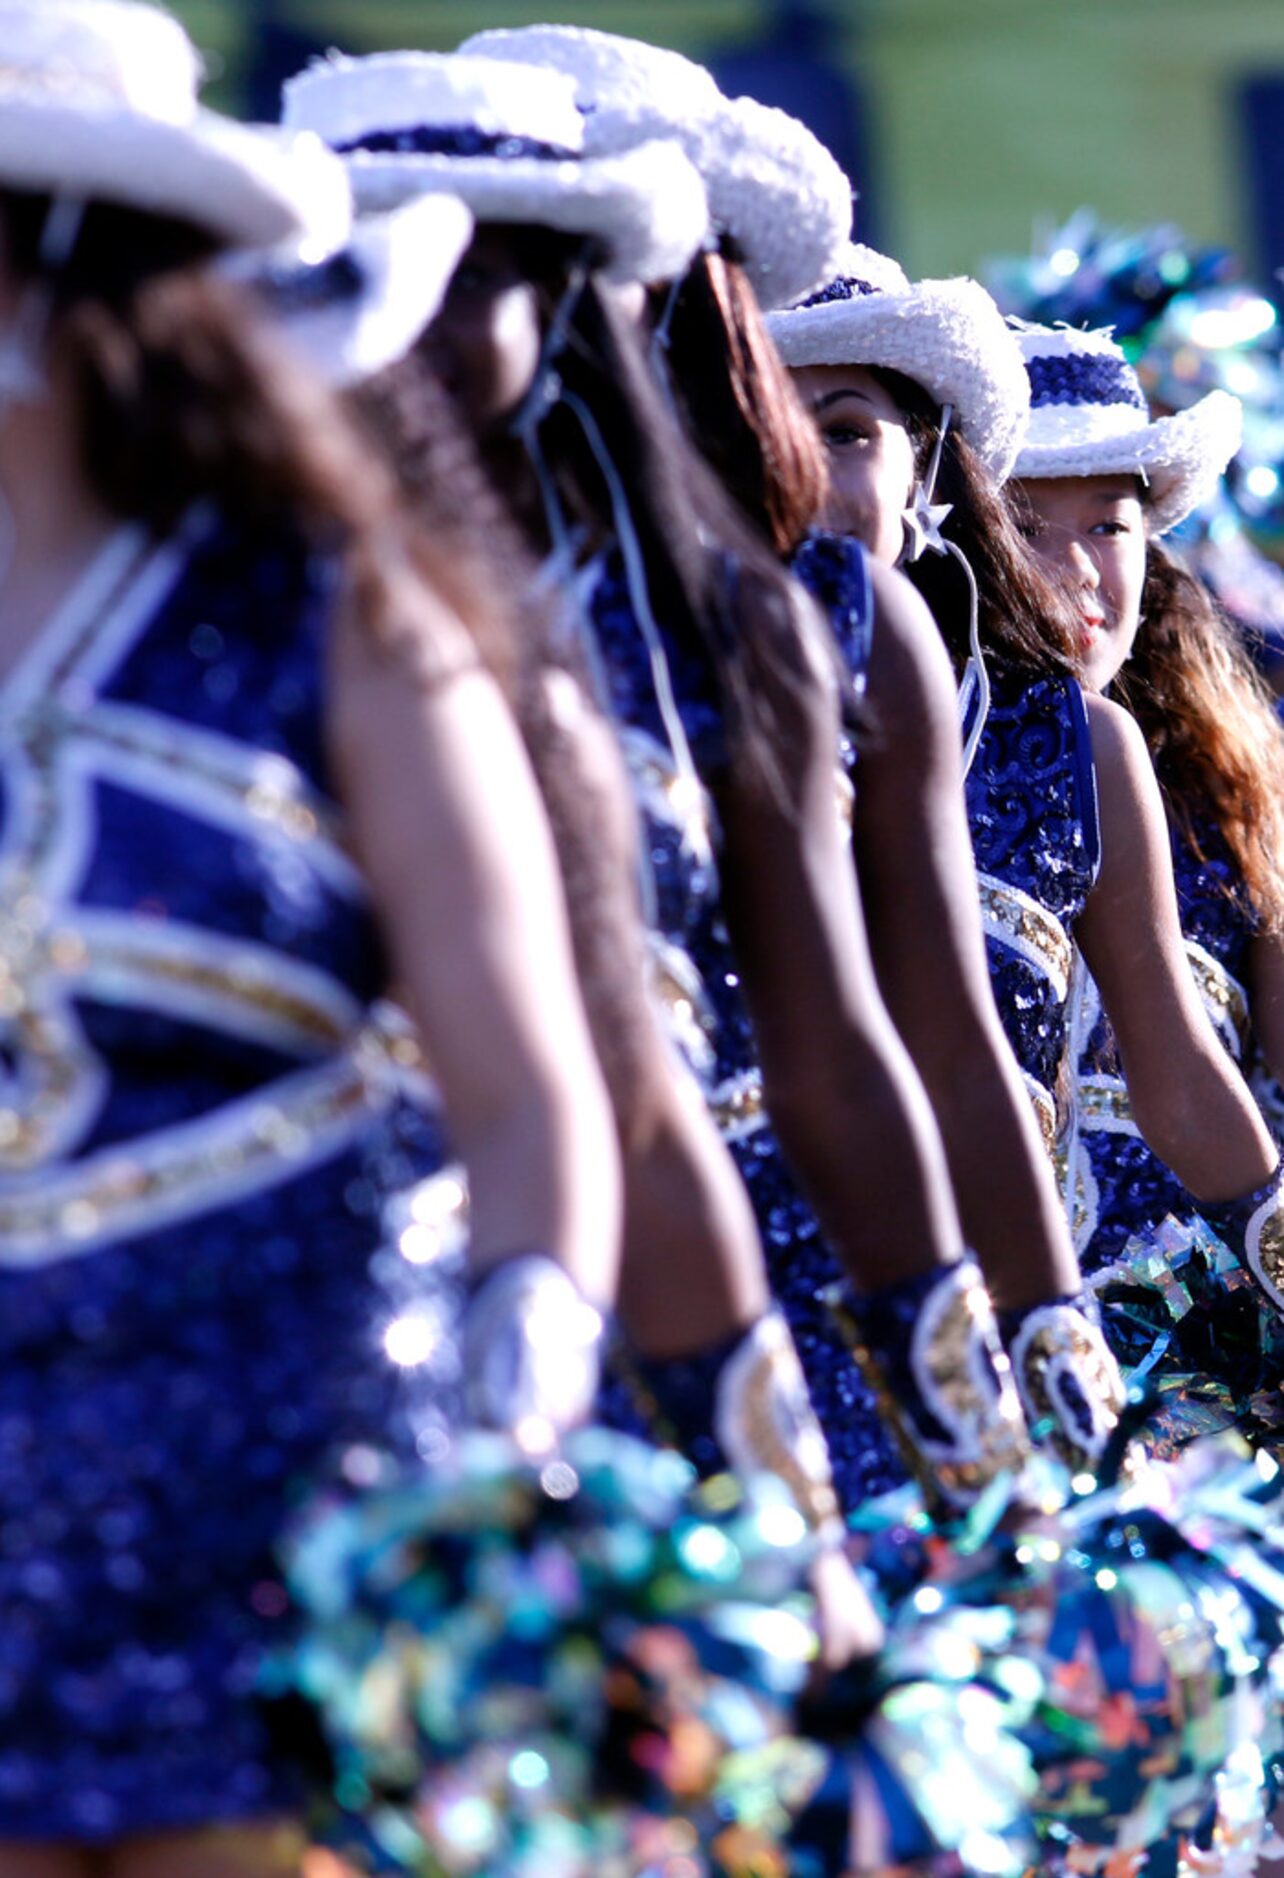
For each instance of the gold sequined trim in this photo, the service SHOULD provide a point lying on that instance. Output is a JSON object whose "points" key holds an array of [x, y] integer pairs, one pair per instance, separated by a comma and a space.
{"points": [[970, 1392], [173, 1173], [1265, 1245], [1104, 1106], [988, 1430], [684, 1004], [232, 982], [737, 1105], [1016, 920], [1045, 1111], [1224, 996], [766, 1423], [268, 789], [1059, 1346]]}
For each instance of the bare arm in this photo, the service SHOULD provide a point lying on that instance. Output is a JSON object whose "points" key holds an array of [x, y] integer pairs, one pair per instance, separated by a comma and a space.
{"points": [[1189, 1100], [693, 1271], [693, 1276], [918, 888], [447, 825], [845, 1099], [1266, 999]]}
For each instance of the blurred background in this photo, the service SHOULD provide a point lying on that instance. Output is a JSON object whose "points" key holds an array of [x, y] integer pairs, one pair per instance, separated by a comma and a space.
{"points": [[969, 126]]}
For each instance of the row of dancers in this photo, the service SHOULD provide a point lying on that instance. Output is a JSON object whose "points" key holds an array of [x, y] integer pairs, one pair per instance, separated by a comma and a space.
{"points": [[550, 697]]}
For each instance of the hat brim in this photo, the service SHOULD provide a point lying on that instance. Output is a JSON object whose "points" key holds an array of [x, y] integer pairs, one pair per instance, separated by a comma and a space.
{"points": [[1180, 458], [773, 189], [406, 258], [780, 199], [646, 207], [947, 336], [243, 187]]}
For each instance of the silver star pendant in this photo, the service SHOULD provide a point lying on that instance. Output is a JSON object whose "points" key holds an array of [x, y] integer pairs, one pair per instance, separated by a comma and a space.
{"points": [[923, 521]]}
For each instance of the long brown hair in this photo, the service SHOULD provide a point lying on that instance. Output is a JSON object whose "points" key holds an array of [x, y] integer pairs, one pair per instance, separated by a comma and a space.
{"points": [[713, 581], [413, 423], [179, 391], [183, 393], [1023, 615], [742, 408], [1212, 731]]}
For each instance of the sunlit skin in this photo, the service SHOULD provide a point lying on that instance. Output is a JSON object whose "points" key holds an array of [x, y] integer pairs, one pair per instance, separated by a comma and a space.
{"points": [[870, 453], [1090, 533]]}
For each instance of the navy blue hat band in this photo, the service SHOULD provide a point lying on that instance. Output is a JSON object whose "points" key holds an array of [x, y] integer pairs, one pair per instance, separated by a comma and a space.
{"points": [[846, 287], [456, 140], [1083, 378], [297, 288]]}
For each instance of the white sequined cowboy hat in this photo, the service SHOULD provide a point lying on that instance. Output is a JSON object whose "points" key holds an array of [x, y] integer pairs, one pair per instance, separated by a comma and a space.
{"points": [[510, 142], [946, 335], [358, 310], [98, 101], [1089, 417], [775, 193]]}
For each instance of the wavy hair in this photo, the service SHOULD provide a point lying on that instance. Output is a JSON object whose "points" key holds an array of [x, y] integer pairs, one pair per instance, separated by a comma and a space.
{"points": [[1212, 731]]}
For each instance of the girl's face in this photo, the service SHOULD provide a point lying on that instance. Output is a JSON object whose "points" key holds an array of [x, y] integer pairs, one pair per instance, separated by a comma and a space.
{"points": [[871, 456], [484, 344], [1090, 532]]}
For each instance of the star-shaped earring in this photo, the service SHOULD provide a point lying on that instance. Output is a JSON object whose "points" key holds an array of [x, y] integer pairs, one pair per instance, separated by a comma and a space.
{"points": [[923, 521]]}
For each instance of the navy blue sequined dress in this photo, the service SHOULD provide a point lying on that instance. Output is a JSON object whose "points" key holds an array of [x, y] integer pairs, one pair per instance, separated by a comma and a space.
{"points": [[199, 1115], [695, 973], [1032, 811], [1124, 1188]]}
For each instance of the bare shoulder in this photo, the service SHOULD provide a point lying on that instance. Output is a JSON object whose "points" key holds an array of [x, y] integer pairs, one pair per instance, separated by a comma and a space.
{"points": [[1119, 750], [1134, 834], [789, 649]]}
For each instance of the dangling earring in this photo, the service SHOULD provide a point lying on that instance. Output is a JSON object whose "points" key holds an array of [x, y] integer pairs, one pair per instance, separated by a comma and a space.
{"points": [[924, 520]]}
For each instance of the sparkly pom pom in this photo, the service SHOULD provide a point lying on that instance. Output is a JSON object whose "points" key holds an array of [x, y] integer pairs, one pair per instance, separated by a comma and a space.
{"points": [[605, 1668], [581, 1668]]}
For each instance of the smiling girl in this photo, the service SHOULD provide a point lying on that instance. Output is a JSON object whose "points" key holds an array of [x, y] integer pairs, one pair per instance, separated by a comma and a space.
{"points": [[1066, 820], [1099, 486]]}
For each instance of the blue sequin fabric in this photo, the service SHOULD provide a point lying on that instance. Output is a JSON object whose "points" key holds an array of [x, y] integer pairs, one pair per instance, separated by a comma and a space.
{"points": [[1032, 811], [835, 571], [198, 1124], [1127, 1189], [695, 972]]}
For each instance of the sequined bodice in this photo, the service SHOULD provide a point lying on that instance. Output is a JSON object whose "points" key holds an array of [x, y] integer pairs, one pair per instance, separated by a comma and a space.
{"points": [[694, 966], [1218, 925], [199, 1120], [1032, 810], [1215, 911], [835, 571], [187, 958]]}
